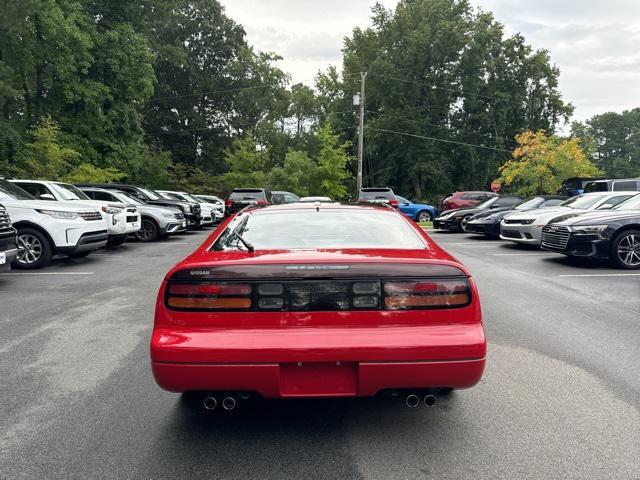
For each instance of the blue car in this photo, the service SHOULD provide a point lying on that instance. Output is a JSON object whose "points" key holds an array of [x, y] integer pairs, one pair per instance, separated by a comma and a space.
{"points": [[417, 211]]}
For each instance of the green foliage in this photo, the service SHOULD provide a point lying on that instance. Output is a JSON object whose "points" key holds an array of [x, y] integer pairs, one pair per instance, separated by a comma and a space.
{"points": [[541, 163], [85, 172], [332, 161], [245, 165], [612, 140], [298, 174], [44, 157]]}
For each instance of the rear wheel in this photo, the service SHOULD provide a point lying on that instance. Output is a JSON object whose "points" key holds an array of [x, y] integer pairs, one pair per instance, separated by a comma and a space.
{"points": [[149, 231], [34, 250], [424, 216], [463, 224], [625, 251]]}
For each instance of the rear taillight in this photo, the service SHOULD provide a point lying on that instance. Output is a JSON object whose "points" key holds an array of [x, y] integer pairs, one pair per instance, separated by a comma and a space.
{"points": [[209, 296], [394, 203], [228, 203], [424, 294], [261, 202]]}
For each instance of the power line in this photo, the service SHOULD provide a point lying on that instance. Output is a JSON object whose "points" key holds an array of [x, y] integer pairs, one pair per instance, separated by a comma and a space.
{"points": [[421, 122], [434, 87], [437, 139]]}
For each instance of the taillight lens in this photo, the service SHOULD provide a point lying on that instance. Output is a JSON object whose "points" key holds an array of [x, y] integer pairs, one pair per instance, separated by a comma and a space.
{"points": [[453, 293], [394, 203], [209, 296], [261, 202]]}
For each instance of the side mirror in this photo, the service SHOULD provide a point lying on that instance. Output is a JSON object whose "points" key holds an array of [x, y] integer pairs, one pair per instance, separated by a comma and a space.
{"points": [[606, 207], [47, 196]]}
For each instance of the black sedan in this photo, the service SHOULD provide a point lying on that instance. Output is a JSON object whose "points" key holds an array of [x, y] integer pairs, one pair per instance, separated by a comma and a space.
{"points": [[613, 235], [488, 223], [455, 220]]}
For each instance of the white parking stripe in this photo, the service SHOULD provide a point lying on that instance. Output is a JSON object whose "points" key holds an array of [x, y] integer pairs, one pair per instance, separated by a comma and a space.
{"points": [[603, 275], [46, 273], [520, 254]]}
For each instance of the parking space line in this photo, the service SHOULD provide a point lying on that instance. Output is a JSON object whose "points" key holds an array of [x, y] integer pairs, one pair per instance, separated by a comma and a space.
{"points": [[603, 275], [521, 254], [45, 273]]}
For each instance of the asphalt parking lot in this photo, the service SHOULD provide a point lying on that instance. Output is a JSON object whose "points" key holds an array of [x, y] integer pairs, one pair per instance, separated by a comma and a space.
{"points": [[560, 399]]}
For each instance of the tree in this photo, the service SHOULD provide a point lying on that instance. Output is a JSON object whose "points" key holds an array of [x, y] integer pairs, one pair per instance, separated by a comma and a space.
{"points": [[442, 70], [245, 165], [332, 161], [540, 163]]}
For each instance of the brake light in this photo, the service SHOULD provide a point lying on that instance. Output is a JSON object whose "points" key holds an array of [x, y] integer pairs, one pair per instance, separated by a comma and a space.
{"points": [[209, 296], [394, 203], [261, 202], [427, 294], [228, 203]]}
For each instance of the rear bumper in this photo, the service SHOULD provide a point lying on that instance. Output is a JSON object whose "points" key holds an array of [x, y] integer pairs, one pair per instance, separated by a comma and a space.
{"points": [[318, 362], [8, 257]]}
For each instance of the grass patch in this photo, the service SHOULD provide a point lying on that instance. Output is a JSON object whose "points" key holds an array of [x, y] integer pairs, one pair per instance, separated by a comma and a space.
{"points": [[426, 224]]}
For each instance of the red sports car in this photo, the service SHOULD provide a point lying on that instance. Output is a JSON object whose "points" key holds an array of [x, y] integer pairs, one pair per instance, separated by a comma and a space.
{"points": [[310, 300]]}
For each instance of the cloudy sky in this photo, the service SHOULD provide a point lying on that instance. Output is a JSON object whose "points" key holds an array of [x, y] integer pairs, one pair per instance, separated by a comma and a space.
{"points": [[596, 43]]}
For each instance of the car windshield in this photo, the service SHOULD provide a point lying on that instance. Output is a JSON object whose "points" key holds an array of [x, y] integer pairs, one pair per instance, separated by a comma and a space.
{"points": [[328, 228], [125, 197], [10, 191], [488, 203], [186, 197], [530, 203], [402, 199], [631, 204], [149, 194], [69, 192], [582, 202]]}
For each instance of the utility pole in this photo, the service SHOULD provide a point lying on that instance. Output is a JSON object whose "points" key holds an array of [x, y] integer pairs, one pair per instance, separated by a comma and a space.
{"points": [[361, 131]]}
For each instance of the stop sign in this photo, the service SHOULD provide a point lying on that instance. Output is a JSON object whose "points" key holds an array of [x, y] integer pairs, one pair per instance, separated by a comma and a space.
{"points": [[495, 187]]}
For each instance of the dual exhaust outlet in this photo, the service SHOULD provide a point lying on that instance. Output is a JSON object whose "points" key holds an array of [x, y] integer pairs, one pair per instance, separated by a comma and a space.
{"points": [[228, 403], [412, 400]]}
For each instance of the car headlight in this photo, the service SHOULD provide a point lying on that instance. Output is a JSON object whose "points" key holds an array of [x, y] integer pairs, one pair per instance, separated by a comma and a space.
{"points": [[169, 215], [112, 210], [59, 214], [187, 208], [589, 229]]}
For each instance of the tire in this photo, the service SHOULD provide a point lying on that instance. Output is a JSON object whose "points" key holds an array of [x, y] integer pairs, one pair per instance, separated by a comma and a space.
{"points": [[149, 231], [116, 242], [424, 216], [463, 223], [625, 250], [35, 250]]}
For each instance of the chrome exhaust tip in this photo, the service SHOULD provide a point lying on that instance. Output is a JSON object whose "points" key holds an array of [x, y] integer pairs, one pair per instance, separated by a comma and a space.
{"points": [[209, 403], [229, 403], [412, 401], [430, 400]]}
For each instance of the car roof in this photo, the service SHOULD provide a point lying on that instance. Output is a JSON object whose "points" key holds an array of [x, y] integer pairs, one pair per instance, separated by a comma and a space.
{"points": [[248, 190], [376, 189]]}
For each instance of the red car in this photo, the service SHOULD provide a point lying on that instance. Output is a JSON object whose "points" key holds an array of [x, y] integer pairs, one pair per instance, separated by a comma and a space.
{"points": [[465, 200], [310, 300]]}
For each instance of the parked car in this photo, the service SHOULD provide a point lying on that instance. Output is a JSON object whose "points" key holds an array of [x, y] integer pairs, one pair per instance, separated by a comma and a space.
{"points": [[381, 195], [456, 220], [465, 200], [213, 200], [419, 212], [190, 210], [526, 227], [8, 241], [612, 235], [46, 228], [156, 221], [345, 301], [614, 185], [315, 199], [243, 197], [278, 198], [575, 186], [121, 221], [488, 222], [208, 212]]}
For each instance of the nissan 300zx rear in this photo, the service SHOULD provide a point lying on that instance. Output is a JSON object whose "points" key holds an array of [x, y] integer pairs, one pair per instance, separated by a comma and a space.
{"points": [[306, 301]]}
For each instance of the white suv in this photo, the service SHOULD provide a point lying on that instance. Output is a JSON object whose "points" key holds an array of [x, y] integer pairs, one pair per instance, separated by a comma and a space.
{"points": [[122, 220], [210, 214], [46, 229]]}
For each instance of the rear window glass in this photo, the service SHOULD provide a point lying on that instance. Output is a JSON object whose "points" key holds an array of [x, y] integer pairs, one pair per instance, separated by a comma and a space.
{"points": [[328, 228], [376, 195], [247, 195], [596, 187]]}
